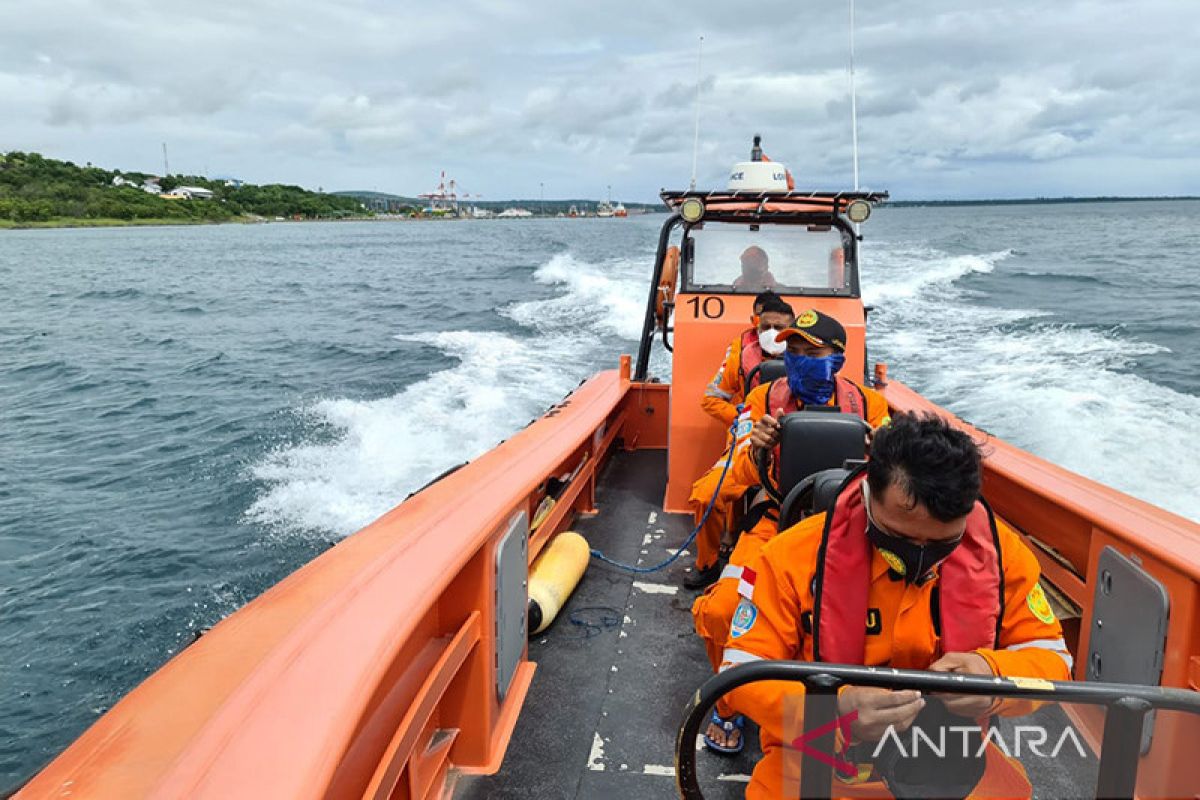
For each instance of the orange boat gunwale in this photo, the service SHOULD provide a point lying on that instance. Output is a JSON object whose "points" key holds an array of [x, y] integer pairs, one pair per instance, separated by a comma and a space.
{"points": [[303, 692]]}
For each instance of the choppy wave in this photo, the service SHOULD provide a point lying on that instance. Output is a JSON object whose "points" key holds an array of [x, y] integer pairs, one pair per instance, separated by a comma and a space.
{"points": [[385, 448], [599, 298], [906, 272], [1061, 391], [1066, 392]]}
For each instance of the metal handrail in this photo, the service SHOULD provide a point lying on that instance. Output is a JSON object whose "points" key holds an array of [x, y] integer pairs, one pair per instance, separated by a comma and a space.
{"points": [[648, 323], [1120, 749]]}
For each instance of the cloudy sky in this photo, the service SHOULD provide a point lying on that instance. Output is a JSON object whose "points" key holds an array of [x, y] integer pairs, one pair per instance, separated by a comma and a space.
{"points": [[1002, 99]]}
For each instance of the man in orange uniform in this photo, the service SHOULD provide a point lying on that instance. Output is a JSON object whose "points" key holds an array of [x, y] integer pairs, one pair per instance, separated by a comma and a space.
{"points": [[737, 375], [907, 537], [816, 344], [756, 270]]}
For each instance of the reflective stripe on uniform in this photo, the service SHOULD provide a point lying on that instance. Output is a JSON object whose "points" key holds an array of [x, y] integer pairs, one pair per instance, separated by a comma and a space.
{"points": [[733, 657], [715, 391], [1056, 646]]}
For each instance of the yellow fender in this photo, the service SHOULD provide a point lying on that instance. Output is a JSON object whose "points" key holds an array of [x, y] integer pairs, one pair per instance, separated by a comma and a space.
{"points": [[554, 575]]}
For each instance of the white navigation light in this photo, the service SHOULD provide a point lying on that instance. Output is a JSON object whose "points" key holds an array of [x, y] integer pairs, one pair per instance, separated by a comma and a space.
{"points": [[692, 210], [758, 176], [858, 211]]}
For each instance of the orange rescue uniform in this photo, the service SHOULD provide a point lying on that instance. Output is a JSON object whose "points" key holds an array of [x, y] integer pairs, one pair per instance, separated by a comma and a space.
{"points": [[725, 391], [713, 609], [1030, 641]]}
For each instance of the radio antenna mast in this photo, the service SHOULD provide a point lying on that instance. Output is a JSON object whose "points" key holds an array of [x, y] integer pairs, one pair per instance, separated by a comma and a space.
{"points": [[853, 99], [696, 137]]}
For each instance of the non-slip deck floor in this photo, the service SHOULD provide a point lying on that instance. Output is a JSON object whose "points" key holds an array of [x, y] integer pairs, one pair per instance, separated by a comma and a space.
{"points": [[608, 696], [618, 666]]}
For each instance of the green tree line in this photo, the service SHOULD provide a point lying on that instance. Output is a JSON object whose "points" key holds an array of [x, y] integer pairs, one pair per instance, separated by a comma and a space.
{"points": [[35, 189]]}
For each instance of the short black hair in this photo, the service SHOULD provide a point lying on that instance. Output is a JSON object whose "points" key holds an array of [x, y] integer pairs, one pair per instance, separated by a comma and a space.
{"points": [[776, 304], [762, 298], [934, 463]]}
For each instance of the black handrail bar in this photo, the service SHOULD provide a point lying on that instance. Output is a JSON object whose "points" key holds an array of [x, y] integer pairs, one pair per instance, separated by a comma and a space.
{"points": [[1127, 705], [664, 241]]}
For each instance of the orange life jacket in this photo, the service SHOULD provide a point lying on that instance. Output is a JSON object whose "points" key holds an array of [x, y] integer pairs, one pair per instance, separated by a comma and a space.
{"points": [[969, 596], [846, 395], [751, 357]]}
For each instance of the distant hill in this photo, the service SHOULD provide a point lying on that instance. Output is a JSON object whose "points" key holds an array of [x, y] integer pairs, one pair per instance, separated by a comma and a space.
{"points": [[35, 189]]}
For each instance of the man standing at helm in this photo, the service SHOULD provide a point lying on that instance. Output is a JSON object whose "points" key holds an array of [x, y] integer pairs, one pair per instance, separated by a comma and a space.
{"points": [[723, 395], [816, 346], [909, 548], [756, 271]]}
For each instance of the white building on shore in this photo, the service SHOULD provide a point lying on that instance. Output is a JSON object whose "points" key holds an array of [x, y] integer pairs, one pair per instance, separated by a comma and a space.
{"points": [[194, 192]]}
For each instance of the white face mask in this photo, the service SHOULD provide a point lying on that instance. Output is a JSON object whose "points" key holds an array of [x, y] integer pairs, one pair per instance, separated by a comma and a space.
{"points": [[766, 340]]}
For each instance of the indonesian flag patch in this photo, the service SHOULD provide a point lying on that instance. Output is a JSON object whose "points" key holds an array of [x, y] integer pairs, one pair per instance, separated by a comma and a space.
{"points": [[746, 583]]}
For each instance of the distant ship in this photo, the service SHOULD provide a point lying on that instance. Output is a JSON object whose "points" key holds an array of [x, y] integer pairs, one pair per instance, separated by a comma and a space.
{"points": [[604, 209], [620, 211]]}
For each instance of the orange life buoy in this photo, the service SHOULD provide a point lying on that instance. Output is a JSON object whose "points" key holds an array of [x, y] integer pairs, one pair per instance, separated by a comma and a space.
{"points": [[666, 285]]}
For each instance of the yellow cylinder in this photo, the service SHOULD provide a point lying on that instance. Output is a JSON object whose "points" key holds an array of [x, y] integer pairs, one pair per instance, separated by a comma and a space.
{"points": [[554, 575]]}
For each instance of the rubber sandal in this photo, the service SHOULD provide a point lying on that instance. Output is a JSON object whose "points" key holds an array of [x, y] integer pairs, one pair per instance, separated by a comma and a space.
{"points": [[737, 722]]}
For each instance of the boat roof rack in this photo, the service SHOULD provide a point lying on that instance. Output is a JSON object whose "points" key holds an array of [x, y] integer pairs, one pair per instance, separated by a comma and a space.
{"points": [[675, 198], [767, 204]]}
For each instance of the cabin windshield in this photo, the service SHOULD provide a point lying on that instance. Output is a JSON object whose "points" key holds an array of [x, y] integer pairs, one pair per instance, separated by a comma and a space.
{"points": [[741, 258]]}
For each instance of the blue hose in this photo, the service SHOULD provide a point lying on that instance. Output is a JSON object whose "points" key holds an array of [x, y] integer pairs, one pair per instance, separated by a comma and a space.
{"points": [[696, 530]]}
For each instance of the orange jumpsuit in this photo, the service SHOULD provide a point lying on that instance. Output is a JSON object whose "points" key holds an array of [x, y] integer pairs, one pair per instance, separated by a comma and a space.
{"points": [[722, 396], [714, 609], [1031, 641], [725, 391]]}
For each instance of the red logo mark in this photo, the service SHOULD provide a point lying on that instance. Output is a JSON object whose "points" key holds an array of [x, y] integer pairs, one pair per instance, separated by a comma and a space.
{"points": [[802, 743]]}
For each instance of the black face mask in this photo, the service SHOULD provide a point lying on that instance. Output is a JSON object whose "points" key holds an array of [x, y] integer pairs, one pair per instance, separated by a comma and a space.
{"points": [[909, 560]]}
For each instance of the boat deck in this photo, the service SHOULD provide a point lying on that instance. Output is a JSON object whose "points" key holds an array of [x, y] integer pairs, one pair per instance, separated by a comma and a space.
{"points": [[617, 667]]}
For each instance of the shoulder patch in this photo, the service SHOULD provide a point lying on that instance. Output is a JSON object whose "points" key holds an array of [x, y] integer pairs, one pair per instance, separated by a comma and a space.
{"points": [[743, 618], [1039, 605]]}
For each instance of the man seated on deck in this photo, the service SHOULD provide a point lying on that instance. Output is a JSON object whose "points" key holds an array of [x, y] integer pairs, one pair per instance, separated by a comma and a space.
{"points": [[736, 376], [906, 535], [756, 271], [816, 344], [728, 388]]}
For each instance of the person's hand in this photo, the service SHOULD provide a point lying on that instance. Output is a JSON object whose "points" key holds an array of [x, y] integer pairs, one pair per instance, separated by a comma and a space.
{"points": [[765, 433], [965, 664], [878, 709]]}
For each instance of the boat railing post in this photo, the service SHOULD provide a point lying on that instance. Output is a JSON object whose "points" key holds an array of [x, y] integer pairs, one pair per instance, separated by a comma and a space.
{"points": [[1120, 748], [881, 378], [820, 714]]}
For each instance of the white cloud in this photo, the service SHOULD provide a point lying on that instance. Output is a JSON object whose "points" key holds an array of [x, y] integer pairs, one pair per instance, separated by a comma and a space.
{"points": [[954, 100]]}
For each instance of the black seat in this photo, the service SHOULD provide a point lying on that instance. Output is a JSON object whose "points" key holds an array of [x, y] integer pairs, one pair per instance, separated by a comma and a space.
{"points": [[771, 369], [813, 451]]}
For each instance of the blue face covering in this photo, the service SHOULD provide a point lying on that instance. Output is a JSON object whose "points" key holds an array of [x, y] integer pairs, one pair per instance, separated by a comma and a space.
{"points": [[811, 379]]}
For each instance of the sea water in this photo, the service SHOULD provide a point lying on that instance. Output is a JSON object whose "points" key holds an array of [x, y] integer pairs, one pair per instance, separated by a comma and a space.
{"points": [[189, 414]]}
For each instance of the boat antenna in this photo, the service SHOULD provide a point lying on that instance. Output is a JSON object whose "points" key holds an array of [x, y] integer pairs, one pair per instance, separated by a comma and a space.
{"points": [[853, 100], [696, 137]]}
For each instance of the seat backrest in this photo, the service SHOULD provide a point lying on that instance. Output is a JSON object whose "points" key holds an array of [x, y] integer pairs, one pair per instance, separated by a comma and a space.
{"points": [[825, 486], [814, 494], [812, 440], [771, 369]]}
